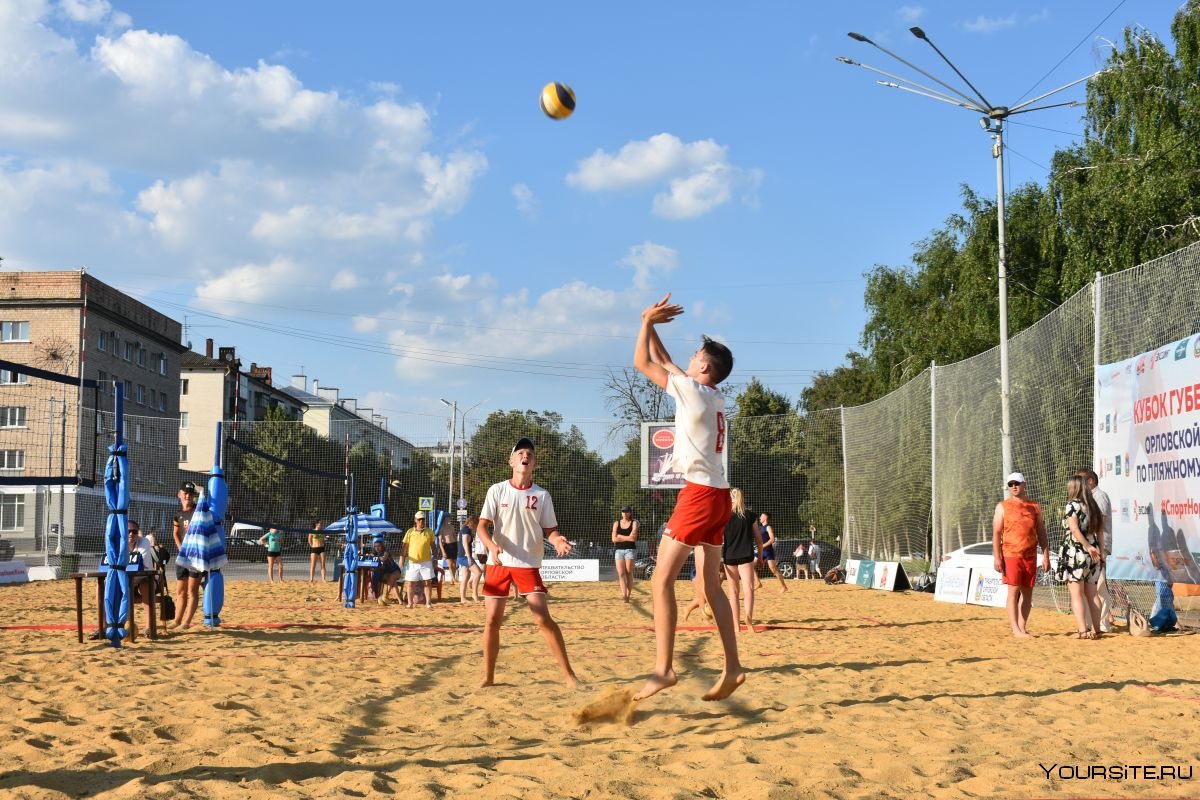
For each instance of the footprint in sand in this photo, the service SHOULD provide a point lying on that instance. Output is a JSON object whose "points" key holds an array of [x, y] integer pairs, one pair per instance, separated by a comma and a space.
{"points": [[616, 705]]}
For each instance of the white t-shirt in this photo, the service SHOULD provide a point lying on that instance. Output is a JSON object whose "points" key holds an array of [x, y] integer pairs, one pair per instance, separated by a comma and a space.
{"points": [[699, 431], [520, 518], [142, 545]]}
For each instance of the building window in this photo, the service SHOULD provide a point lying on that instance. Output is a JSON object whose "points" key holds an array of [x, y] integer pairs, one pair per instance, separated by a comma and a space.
{"points": [[137, 432], [129, 390], [162, 401], [183, 452], [12, 459], [102, 341], [10, 378], [183, 421], [183, 386], [141, 395], [141, 356], [14, 331], [12, 416], [12, 512], [129, 351], [162, 363]]}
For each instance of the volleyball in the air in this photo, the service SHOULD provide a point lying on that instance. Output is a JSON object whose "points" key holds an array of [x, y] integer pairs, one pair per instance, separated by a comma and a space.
{"points": [[558, 101]]}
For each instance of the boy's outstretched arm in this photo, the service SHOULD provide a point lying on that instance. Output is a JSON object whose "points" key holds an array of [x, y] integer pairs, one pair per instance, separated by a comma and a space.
{"points": [[643, 355], [659, 354]]}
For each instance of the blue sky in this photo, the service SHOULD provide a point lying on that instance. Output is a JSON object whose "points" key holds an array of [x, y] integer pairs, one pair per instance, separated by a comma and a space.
{"points": [[369, 191]]}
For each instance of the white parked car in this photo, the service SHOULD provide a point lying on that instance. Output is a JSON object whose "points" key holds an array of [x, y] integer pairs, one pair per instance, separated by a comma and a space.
{"points": [[979, 556]]}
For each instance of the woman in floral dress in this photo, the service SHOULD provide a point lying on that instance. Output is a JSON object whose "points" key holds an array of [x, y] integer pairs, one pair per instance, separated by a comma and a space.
{"points": [[1079, 557]]}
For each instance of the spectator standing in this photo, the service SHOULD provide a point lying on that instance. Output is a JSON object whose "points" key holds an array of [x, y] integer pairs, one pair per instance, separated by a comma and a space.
{"points": [[448, 546], [767, 553], [624, 538], [1104, 535], [743, 536], [273, 539], [187, 587], [418, 560], [1079, 557], [814, 555], [1017, 531], [316, 550], [469, 570]]}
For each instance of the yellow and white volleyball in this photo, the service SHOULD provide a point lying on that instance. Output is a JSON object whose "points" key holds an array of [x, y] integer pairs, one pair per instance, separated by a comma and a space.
{"points": [[558, 101]]}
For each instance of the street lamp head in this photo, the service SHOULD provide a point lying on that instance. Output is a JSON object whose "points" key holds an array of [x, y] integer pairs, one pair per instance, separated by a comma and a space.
{"points": [[845, 60], [444, 401], [917, 32], [858, 37]]}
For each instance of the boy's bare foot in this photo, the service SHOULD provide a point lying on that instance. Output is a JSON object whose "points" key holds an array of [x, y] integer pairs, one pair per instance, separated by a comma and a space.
{"points": [[1022, 635], [656, 683], [726, 686], [573, 682], [487, 682]]}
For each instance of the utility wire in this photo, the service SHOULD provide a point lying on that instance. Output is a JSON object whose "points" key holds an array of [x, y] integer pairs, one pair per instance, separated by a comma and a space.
{"points": [[1070, 52]]}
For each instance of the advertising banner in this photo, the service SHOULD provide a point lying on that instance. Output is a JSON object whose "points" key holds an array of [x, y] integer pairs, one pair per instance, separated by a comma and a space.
{"points": [[952, 584], [13, 572], [554, 570], [890, 577], [658, 469], [860, 572], [1147, 451], [987, 588]]}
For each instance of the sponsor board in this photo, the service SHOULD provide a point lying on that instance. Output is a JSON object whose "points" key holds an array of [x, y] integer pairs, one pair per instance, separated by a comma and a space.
{"points": [[13, 572], [987, 588], [1148, 461], [953, 583], [557, 570]]}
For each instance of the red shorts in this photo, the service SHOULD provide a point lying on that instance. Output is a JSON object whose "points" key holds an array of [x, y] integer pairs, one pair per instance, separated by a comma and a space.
{"points": [[497, 580], [1020, 570], [700, 515]]}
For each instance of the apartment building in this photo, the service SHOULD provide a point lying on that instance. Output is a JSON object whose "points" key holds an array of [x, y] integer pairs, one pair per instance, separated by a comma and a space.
{"points": [[66, 340]]}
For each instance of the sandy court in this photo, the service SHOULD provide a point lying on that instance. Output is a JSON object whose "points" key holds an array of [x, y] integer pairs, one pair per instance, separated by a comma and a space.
{"points": [[854, 694]]}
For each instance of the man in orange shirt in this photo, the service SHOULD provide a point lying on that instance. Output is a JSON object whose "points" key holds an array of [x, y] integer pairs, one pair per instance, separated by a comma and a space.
{"points": [[1018, 530]]}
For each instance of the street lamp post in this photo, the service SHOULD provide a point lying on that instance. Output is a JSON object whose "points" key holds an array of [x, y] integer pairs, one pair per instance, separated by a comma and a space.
{"points": [[462, 456], [993, 123], [453, 430]]}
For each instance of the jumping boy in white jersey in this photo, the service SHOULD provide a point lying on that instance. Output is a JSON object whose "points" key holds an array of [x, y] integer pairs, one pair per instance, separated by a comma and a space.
{"points": [[703, 507], [516, 514]]}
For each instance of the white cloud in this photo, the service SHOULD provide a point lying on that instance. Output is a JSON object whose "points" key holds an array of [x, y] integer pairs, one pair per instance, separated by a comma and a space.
{"points": [[648, 260], [256, 181], [364, 324], [982, 24], [698, 175], [527, 204], [249, 283], [910, 14], [345, 279], [89, 11], [1039, 16]]}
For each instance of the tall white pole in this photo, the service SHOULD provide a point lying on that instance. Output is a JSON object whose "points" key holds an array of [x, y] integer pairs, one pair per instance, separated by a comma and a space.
{"points": [[935, 544], [1002, 282], [453, 440]]}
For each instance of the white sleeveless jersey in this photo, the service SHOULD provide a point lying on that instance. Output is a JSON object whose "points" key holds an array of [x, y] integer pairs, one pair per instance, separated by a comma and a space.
{"points": [[699, 431], [519, 520]]}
